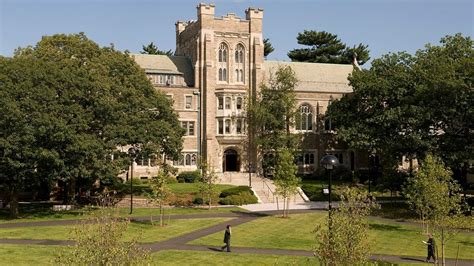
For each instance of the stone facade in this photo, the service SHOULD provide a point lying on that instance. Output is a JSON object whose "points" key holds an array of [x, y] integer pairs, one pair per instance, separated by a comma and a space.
{"points": [[218, 66]]}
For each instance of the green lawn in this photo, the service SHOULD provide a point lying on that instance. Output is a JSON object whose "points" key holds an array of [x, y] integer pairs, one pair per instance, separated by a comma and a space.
{"points": [[44, 255], [143, 230], [45, 214], [296, 233]]}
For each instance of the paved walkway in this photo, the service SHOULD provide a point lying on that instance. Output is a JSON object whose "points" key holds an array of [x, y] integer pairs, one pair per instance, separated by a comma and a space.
{"points": [[180, 242]]}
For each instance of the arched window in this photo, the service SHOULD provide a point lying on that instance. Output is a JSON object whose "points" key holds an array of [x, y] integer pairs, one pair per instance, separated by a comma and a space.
{"points": [[222, 62], [188, 159], [304, 119], [239, 63]]}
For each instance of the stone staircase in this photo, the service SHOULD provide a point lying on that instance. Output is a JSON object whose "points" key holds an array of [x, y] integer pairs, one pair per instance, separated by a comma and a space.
{"points": [[263, 188]]}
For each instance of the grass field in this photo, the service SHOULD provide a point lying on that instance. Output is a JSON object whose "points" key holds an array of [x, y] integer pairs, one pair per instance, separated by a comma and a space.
{"points": [[296, 233], [142, 231], [44, 255]]}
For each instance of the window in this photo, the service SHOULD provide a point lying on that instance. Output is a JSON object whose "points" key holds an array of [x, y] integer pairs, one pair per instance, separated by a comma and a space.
{"points": [[306, 158], [238, 126], [304, 119], [227, 126], [186, 159], [228, 101], [220, 126], [222, 62], [220, 103], [188, 102], [239, 63], [239, 103], [189, 127]]}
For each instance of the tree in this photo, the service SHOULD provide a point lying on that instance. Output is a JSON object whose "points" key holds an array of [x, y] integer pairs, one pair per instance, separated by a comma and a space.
{"points": [[326, 47], [346, 242], [73, 105], [286, 180], [436, 197], [267, 47], [207, 183], [100, 241], [152, 49], [272, 116], [160, 192], [409, 106]]}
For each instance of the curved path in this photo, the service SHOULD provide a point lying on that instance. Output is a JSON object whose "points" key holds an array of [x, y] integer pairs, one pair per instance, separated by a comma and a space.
{"points": [[180, 242]]}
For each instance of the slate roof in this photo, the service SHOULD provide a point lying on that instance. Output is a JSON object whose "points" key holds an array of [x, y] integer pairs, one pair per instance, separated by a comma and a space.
{"points": [[315, 77], [163, 64]]}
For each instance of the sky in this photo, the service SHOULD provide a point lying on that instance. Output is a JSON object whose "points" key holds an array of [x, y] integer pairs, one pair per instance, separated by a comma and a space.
{"points": [[384, 25]]}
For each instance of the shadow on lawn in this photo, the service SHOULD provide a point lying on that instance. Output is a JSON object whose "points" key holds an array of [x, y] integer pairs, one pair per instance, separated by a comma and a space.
{"points": [[37, 210], [387, 227]]}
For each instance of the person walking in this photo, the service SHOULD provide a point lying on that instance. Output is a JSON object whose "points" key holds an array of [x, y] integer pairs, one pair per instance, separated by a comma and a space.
{"points": [[227, 235], [431, 248]]}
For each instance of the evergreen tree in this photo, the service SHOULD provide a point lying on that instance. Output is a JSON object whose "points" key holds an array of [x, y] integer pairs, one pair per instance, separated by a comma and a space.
{"points": [[325, 47], [153, 49], [267, 47]]}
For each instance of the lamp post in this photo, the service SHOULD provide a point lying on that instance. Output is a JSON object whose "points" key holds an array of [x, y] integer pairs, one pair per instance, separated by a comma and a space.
{"points": [[371, 169], [328, 162], [131, 152], [250, 175], [198, 94]]}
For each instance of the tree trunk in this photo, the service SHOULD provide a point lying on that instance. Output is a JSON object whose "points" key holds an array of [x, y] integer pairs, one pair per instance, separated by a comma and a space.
{"points": [[14, 204], [71, 191], [161, 215], [442, 246]]}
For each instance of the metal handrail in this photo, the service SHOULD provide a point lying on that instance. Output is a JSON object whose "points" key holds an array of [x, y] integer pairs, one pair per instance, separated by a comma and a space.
{"points": [[269, 190]]}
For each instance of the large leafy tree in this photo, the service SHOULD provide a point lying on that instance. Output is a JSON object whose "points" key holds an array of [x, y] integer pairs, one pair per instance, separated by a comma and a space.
{"points": [[326, 47], [91, 101], [408, 105], [151, 48]]}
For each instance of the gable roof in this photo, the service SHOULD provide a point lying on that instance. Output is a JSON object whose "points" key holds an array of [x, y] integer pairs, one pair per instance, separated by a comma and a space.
{"points": [[315, 77], [163, 64]]}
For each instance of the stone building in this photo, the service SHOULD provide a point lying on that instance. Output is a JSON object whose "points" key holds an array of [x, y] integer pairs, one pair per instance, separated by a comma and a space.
{"points": [[219, 65]]}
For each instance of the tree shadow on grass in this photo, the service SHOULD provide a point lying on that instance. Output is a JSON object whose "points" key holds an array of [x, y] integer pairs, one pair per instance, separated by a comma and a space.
{"points": [[466, 243], [36, 210], [387, 227]]}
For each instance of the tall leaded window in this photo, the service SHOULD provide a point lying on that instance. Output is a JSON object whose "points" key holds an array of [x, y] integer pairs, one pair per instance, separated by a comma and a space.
{"points": [[304, 119], [222, 58], [239, 103], [239, 62]]}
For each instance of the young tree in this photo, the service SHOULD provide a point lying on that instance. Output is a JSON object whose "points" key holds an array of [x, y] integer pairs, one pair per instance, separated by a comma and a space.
{"points": [[267, 47], [100, 241], [160, 193], [207, 183], [272, 116], [346, 241], [286, 180], [436, 197], [152, 49], [326, 47]]}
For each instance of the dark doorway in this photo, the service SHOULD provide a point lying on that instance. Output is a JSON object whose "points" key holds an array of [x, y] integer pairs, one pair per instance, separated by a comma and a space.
{"points": [[231, 161]]}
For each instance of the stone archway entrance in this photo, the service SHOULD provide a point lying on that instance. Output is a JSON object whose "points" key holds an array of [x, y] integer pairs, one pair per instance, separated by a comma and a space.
{"points": [[231, 161]]}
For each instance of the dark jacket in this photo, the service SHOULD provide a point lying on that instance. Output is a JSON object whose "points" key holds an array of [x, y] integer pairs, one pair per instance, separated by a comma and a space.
{"points": [[226, 236]]}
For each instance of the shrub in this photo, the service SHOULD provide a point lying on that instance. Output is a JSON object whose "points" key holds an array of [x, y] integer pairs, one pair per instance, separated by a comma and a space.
{"points": [[235, 191], [198, 201], [239, 199], [189, 176]]}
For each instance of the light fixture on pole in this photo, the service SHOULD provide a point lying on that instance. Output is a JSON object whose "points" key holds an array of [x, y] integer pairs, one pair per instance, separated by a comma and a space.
{"points": [[329, 162]]}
